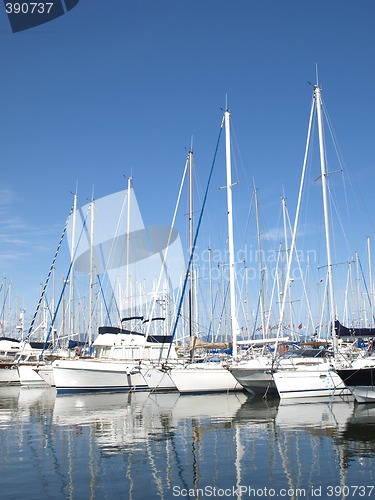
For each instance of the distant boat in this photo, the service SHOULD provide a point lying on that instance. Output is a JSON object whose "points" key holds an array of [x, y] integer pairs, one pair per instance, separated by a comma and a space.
{"points": [[9, 347], [18, 360]]}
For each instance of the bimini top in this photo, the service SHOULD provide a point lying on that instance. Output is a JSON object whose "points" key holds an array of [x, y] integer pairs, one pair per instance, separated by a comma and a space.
{"points": [[358, 333], [115, 330]]}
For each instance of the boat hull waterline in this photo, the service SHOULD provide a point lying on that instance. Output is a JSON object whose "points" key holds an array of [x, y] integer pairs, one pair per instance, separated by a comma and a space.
{"points": [[92, 376]]}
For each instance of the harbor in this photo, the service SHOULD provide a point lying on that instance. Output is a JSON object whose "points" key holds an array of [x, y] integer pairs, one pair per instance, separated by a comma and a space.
{"points": [[187, 294], [148, 445]]}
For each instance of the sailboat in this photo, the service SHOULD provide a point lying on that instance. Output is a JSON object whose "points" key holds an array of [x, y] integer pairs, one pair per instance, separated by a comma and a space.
{"points": [[214, 376], [254, 370], [320, 379]]}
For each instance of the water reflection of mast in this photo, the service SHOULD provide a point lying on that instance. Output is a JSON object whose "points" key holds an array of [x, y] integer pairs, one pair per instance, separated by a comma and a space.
{"points": [[70, 466], [283, 451], [194, 449], [239, 453], [91, 464]]}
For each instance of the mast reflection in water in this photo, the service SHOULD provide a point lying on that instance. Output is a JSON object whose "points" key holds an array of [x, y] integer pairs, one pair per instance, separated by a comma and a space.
{"points": [[142, 445]]}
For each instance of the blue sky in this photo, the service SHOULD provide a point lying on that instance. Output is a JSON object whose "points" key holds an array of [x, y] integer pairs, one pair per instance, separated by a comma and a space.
{"points": [[117, 88]]}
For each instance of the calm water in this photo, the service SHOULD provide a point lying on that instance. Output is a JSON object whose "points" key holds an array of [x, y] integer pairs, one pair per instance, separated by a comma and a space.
{"points": [[146, 446]]}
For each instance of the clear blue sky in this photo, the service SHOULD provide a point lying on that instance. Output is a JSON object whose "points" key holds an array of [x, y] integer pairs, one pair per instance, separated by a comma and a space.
{"points": [[117, 88]]}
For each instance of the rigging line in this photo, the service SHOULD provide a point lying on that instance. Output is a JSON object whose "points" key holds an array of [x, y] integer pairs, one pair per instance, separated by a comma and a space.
{"points": [[273, 289], [300, 270], [333, 136], [364, 281], [49, 275], [255, 319], [245, 234], [105, 302], [109, 260], [339, 157], [113, 300], [338, 217], [3, 307], [233, 133], [222, 311], [48, 308], [164, 257], [250, 190], [63, 290], [296, 219], [195, 239]]}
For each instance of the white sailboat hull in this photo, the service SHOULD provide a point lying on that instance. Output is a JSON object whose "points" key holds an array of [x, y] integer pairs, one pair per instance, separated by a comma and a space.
{"points": [[306, 383], [255, 381], [9, 374], [157, 380], [46, 373], [29, 376], [255, 375], [87, 375], [204, 378]]}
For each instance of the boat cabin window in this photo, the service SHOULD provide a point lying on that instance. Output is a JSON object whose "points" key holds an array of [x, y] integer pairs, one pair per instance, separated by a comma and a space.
{"points": [[128, 353], [117, 353], [102, 352]]}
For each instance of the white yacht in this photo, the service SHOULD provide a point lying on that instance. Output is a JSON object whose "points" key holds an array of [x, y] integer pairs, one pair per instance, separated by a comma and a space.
{"points": [[120, 361]]}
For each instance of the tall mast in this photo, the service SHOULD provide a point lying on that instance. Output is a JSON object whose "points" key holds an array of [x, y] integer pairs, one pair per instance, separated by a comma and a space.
{"points": [[233, 317], [71, 281], [211, 295], [191, 243], [260, 260], [289, 298], [370, 282], [127, 291], [91, 271], [359, 321], [318, 103]]}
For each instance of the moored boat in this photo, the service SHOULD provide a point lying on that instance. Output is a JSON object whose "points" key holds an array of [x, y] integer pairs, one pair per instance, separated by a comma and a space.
{"points": [[116, 363], [359, 378]]}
